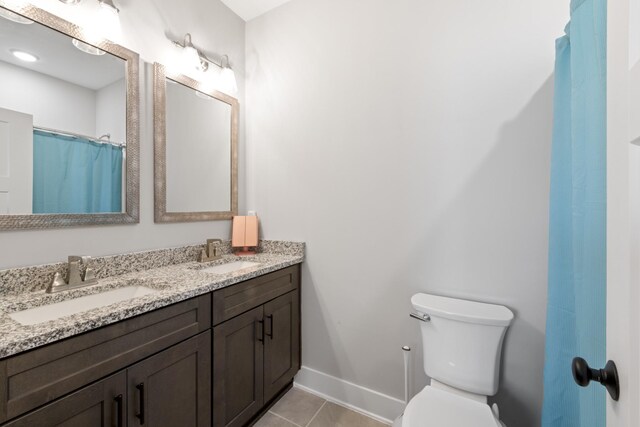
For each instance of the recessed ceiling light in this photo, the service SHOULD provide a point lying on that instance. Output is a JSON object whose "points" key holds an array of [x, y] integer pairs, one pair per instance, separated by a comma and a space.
{"points": [[12, 16], [87, 48], [24, 56], [70, 1]]}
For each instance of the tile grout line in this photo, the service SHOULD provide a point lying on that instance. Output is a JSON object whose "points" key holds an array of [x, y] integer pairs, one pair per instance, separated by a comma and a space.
{"points": [[286, 419], [316, 414]]}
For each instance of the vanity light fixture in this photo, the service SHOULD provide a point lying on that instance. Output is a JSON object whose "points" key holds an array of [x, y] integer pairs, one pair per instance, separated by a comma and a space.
{"points": [[12, 16], [24, 56], [107, 17], [108, 7], [228, 77], [191, 54], [201, 62]]}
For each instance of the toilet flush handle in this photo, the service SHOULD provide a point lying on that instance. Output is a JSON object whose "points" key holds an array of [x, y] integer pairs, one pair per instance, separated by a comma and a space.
{"points": [[421, 316]]}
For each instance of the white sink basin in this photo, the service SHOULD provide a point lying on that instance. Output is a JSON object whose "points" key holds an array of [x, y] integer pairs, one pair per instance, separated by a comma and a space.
{"points": [[230, 267], [60, 309]]}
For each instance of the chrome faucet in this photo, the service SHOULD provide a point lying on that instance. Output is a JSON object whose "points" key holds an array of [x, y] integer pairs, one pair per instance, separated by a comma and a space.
{"points": [[212, 251], [75, 279]]}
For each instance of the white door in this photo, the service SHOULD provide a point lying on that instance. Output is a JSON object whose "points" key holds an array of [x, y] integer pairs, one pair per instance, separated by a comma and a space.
{"points": [[623, 207], [16, 162]]}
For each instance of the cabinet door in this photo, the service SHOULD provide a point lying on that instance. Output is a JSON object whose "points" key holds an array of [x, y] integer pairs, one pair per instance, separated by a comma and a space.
{"points": [[172, 388], [237, 369], [100, 404], [282, 343]]}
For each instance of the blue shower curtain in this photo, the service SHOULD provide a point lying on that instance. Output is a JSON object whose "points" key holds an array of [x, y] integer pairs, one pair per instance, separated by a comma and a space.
{"points": [[74, 175], [576, 313]]}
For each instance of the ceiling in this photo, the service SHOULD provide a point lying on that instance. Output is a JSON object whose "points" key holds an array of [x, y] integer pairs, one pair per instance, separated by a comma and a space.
{"points": [[57, 56], [249, 9]]}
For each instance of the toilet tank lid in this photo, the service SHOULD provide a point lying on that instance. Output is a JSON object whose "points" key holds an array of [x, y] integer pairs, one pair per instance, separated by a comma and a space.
{"points": [[463, 310]]}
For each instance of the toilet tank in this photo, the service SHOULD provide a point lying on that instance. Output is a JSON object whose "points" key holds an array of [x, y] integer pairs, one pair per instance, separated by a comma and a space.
{"points": [[462, 342]]}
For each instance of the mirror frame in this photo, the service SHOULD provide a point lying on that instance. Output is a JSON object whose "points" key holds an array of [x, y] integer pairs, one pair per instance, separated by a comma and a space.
{"points": [[132, 200], [160, 75]]}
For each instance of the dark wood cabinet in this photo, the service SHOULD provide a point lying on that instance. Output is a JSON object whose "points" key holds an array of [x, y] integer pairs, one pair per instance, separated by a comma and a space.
{"points": [[34, 378], [102, 404], [256, 355], [167, 367], [237, 369], [173, 387], [282, 343]]}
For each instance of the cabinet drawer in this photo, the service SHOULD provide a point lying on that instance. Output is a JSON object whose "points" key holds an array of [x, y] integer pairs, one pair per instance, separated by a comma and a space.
{"points": [[233, 300], [31, 379], [101, 404]]}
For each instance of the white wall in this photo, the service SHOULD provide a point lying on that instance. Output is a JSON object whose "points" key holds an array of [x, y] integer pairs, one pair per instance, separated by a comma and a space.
{"points": [[215, 29], [34, 93], [111, 114], [408, 144]]}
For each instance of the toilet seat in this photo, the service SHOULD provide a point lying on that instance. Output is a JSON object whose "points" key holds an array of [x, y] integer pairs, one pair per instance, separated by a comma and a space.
{"points": [[438, 408]]}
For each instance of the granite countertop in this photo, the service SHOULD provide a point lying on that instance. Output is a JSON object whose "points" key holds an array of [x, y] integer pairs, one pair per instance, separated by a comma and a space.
{"points": [[173, 283]]}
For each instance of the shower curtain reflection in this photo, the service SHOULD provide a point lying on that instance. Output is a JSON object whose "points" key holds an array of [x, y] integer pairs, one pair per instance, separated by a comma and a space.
{"points": [[75, 176]]}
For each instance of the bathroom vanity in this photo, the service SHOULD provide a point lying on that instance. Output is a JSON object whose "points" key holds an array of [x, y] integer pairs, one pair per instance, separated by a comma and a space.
{"points": [[204, 349], [160, 340]]}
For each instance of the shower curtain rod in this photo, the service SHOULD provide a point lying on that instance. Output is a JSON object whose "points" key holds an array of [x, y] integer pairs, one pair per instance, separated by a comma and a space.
{"points": [[77, 135]]}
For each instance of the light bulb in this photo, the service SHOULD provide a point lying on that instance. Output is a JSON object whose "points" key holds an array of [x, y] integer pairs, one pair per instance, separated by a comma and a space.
{"points": [[108, 5], [109, 20], [228, 81], [192, 57]]}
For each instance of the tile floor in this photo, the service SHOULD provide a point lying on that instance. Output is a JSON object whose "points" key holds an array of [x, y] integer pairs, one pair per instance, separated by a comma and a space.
{"points": [[298, 408]]}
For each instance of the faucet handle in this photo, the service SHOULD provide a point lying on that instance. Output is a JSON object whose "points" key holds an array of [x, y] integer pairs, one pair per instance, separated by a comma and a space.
{"points": [[75, 277], [84, 259], [56, 282], [210, 251]]}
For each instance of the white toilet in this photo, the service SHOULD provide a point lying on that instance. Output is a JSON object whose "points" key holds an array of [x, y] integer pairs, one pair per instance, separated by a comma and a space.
{"points": [[462, 342]]}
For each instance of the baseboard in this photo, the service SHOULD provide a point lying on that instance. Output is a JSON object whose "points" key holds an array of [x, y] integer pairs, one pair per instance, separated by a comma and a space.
{"points": [[361, 399]]}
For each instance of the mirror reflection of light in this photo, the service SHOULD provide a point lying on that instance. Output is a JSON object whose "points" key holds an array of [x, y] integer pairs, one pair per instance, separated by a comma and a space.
{"points": [[11, 16], [24, 56], [87, 48], [203, 95]]}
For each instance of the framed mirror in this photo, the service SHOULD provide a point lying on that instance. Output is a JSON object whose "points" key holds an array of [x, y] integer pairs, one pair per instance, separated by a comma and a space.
{"points": [[69, 125], [196, 150]]}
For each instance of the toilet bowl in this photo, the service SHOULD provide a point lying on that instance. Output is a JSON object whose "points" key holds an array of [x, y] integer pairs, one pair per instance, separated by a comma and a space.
{"points": [[462, 344], [433, 407]]}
